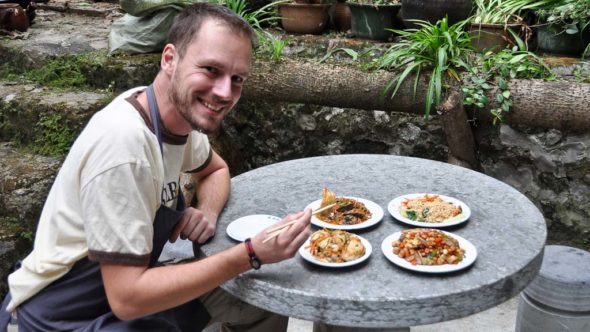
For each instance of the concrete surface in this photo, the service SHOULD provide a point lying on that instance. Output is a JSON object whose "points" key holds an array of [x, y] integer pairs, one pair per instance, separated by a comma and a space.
{"points": [[501, 318]]}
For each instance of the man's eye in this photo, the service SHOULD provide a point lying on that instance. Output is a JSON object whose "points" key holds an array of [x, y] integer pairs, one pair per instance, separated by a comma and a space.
{"points": [[238, 79], [212, 70]]}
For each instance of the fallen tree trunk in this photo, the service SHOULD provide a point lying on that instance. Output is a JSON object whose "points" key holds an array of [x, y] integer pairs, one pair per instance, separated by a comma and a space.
{"points": [[559, 105]]}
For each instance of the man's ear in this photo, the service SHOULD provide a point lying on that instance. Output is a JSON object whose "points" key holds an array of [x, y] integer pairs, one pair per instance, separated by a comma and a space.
{"points": [[169, 59]]}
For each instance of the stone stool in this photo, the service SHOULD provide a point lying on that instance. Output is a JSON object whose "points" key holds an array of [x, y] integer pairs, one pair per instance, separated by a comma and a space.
{"points": [[558, 299]]}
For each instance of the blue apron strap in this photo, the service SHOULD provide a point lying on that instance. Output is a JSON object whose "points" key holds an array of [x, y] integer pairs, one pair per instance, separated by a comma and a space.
{"points": [[155, 114], [166, 218]]}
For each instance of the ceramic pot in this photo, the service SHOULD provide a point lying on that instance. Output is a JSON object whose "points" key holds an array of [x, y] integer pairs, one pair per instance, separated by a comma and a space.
{"points": [[304, 18], [370, 21], [492, 37], [434, 10], [13, 17], [556, 41], [341, 16]]}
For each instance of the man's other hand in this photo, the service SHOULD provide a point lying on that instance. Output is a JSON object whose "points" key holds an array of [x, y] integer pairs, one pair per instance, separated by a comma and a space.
{"points": [[195, 226]]}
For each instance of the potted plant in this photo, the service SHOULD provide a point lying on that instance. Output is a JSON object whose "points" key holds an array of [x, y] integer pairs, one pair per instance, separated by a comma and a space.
{"points": [[434, 10], [564, 27], [494, 23], [304, 16], [372, 18]]}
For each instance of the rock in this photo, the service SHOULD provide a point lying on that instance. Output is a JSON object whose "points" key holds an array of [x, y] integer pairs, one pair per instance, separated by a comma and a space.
{"points": [[25, 180]]}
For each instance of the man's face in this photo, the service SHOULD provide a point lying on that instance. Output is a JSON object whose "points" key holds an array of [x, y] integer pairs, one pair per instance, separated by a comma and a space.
{"points": [[207, 81]]}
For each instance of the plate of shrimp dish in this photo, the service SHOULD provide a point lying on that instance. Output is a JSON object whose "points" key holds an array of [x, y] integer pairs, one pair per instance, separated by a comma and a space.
{"points": [[429, 210], [428, 250], [335, 248], [346, 213]]}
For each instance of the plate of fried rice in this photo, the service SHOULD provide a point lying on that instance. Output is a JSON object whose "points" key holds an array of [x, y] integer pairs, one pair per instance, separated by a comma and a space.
{"points": [[429, 250], [429, 210]]}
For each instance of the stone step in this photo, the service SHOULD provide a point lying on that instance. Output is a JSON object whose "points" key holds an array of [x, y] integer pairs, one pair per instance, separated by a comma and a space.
{"points": [[44, 119]]}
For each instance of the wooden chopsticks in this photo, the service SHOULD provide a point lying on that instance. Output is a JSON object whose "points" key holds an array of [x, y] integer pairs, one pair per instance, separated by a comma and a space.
{"points": [[274, 232]]}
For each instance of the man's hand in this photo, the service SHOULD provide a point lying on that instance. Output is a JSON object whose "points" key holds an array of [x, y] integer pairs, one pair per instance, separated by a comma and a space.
{"points": [[195, 226], [286, 244]]}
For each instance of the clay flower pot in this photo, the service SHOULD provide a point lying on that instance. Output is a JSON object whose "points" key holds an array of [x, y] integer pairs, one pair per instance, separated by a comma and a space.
{"points": [[13, 17], [304, 18], [434, 10], [371, 21], [341, 15], [492, 37]]}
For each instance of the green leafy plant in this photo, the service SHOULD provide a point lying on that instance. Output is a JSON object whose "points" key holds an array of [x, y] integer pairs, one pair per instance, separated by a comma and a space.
{"points": [[63, 72], [495, 70], [446, 51], [572, 16], [256, 18], [442, 48], [493, 12], [504, 11], [271, 45], [56, 135], [354, 55]]}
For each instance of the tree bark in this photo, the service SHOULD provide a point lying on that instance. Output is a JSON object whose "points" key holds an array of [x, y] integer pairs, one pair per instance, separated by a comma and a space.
{"points": [[462, 151], [559, 105]]}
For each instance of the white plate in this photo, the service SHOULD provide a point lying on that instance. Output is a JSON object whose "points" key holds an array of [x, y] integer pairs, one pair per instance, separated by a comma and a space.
{"points": [[376, 215], [468, 259], [394, 209], [248, 226], [310, 258]]}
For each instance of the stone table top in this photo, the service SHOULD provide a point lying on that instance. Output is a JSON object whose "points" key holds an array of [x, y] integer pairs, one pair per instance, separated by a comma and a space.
{"points": [[508, 231]]}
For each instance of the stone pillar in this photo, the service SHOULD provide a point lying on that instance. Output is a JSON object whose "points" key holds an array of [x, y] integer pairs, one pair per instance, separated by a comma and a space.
{"points": [[558, 299]]}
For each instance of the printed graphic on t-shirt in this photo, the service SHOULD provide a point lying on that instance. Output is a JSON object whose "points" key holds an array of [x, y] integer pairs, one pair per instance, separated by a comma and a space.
{"points": [[170, 191]]}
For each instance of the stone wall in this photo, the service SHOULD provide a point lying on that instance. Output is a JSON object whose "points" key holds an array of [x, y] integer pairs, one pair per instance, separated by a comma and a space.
{"points": [[550, 167]]}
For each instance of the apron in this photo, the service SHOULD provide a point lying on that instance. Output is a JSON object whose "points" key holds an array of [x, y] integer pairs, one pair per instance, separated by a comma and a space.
{"points": [[78, 302]]}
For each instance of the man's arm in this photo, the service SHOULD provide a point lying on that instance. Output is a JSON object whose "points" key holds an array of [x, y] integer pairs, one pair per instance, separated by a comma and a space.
{"points": [[212, 185], [135, 291]]}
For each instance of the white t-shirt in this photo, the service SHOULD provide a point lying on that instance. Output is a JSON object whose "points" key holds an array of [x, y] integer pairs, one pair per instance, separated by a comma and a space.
{"points": [[106, 194]]}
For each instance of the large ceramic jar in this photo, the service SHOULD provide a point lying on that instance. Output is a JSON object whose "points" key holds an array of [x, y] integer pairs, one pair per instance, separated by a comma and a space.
{"points": [[434, 10], [304, 18]]}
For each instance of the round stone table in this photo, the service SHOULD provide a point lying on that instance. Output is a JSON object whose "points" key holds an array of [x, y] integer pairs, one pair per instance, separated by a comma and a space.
{"points": [[508, 231]]}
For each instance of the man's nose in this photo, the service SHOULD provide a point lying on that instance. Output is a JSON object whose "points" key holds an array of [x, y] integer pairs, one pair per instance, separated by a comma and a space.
{"points": [[223, 88]]}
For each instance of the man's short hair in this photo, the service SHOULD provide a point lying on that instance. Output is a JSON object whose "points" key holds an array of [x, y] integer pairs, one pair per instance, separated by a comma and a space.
{"points": [[188, 22]]}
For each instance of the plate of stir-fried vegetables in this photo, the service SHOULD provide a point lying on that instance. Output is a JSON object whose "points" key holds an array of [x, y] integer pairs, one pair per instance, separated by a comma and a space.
{"points": [[347, 213], [429, 210], [429, 250], [335, 248]]}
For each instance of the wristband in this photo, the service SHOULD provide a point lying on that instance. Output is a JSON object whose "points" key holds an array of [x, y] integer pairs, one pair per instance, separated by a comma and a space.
{"points": [[254, 261]]}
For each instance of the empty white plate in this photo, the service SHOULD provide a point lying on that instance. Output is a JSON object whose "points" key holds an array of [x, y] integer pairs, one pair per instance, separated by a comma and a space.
{"points": [[248, 226]]}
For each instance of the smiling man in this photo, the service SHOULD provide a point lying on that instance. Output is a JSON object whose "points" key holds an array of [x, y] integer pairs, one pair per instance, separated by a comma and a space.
{"points": [[116, 202]]}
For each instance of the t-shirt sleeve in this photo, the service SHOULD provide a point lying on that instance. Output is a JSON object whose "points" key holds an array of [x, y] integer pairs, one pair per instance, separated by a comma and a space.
{"points": [[119, 221], [198, 153]]}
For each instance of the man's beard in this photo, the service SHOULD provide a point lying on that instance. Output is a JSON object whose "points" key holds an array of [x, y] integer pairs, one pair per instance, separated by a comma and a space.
{"points": [[183, 103]]}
